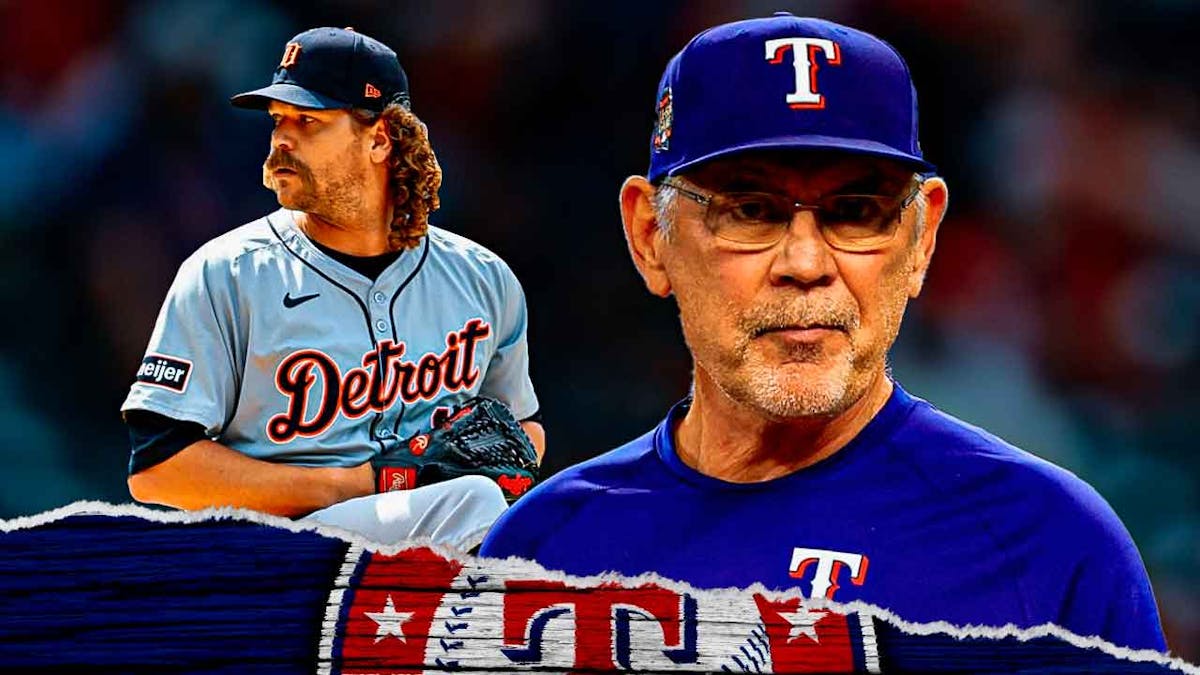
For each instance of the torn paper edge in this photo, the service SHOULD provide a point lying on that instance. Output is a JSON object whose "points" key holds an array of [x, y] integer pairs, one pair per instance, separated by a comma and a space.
{"points": [[359, 544]]}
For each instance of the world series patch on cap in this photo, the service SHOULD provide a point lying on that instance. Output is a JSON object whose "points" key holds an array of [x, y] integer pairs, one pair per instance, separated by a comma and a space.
{"points": [[784, 82], [329, 68]]}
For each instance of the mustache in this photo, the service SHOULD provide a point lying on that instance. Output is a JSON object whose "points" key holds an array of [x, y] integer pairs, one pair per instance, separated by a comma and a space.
{"points": [[279, 159], [762, 319]]}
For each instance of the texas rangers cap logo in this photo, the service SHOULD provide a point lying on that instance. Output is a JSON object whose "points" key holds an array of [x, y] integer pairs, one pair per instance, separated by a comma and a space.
{"points": [[804, 51]]}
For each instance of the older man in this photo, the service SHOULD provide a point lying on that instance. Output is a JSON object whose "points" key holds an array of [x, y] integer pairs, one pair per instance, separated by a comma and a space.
{"points": [[790, 212]]}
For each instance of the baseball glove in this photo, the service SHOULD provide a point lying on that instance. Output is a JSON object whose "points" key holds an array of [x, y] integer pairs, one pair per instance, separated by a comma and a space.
{"points": [[480, 437]]}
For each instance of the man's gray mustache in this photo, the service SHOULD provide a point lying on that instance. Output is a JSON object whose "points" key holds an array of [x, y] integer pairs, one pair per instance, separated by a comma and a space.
{"points": [[761, 322]]}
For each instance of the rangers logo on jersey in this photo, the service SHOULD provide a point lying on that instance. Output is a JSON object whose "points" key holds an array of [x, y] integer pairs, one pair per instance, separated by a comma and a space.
{"points": [[827, 569]]}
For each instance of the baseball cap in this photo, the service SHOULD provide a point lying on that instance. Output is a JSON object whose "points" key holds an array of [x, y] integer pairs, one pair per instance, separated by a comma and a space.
{"points": [[784, 82], [333, 68]]}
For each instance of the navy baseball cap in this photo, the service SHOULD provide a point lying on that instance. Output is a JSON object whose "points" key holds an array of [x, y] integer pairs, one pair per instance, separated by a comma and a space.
{"points": [[333, 68], [784, 82]]}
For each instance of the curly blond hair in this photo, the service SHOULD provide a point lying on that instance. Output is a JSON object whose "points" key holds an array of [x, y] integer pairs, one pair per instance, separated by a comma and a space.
{"points": [[414, 177]]}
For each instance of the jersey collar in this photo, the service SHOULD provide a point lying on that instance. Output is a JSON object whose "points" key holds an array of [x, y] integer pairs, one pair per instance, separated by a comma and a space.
{"points": [[285, 222], [872, 437]]}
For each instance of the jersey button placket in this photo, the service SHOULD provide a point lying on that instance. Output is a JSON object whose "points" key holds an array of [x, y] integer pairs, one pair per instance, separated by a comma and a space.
{"points": [[380, 312], [380, 299]]}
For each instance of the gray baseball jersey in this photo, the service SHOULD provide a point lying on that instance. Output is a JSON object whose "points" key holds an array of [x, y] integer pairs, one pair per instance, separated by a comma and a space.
{"points": [[284, 354]]}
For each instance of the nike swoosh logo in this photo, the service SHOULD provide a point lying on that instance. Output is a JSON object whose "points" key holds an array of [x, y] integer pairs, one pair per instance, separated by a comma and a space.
{"points": [[289, 301]]}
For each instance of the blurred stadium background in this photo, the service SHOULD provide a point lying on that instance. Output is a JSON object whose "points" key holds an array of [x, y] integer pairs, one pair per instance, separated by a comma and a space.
{"points": [[1062, 311]]}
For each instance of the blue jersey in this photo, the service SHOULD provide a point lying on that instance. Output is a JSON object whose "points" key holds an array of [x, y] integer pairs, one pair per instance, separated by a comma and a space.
{"points": [[921, 514]]}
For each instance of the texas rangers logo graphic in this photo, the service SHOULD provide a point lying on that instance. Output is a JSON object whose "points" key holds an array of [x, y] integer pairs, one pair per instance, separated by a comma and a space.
{"points": [[416, 611], [662, 127], [290, 54], [383, 377], [388, 622], [827, 569], [807, 640], [527, 613], [804, 61]]}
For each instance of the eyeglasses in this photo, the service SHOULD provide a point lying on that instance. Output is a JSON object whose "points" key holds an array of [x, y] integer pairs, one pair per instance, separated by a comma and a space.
{"points": [[848, 222]]}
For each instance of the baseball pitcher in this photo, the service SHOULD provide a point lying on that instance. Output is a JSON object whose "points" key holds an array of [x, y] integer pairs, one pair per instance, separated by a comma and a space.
{"points": [[340, 358]]}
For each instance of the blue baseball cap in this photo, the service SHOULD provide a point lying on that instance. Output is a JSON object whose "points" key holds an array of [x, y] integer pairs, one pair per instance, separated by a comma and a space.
{"points": [[784, 82], [330, 68]]}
